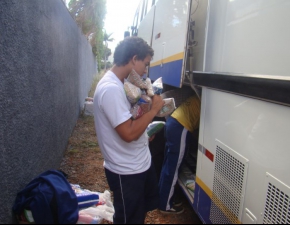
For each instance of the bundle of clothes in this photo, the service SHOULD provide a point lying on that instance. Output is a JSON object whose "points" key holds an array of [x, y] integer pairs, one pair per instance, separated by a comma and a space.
{"points": [[139, 93], [94, 206], [51, 199]]}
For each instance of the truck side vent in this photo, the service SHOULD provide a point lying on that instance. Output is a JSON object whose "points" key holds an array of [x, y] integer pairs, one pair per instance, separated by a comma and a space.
{"points": [[277, 208], [228, 186]]}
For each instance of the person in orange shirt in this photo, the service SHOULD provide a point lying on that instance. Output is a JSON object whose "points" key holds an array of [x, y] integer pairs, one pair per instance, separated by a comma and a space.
{"points": [[179, 129]]}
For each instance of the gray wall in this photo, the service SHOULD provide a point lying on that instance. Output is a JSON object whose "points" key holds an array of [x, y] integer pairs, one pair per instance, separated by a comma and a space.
{"points": [[46, 71]]}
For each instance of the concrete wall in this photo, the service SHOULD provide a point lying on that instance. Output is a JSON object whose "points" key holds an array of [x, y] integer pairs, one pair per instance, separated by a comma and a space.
{"points": [[46, 71]]}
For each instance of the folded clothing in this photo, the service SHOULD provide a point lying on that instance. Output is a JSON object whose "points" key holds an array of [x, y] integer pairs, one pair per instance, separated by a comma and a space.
{"points": [[45, 195], [85, 198]]}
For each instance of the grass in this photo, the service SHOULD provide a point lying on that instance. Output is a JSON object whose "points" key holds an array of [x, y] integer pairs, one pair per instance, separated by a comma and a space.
{"points": [[73, 151], [88, 144]]}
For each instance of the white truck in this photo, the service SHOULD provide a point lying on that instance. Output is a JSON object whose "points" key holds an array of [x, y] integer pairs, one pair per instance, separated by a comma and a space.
{"points": [[236, 55]]}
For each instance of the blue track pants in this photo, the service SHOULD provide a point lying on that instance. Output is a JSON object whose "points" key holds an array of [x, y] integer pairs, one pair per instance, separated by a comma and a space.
{"points": [[176, 139]]}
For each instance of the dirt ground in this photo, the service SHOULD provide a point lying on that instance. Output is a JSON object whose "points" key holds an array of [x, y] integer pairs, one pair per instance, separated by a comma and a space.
{"points": [[83, 163]]}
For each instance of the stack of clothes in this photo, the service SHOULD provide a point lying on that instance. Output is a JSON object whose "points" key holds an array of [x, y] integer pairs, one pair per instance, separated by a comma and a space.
{"points": [[51, 199]]}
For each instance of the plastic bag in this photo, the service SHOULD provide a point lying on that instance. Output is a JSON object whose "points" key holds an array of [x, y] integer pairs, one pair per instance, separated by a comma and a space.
{"points": [[145, 99], [135, 78], [145, 107], [88, 219], [140, 108], [105, 198], [99, 212], [136, 111], [150, 91], [89, 99], [168, 107], [89, 108], [133, 93], [144, 92], [105, 211], [154, 128], [157, 86], [190, 184]]}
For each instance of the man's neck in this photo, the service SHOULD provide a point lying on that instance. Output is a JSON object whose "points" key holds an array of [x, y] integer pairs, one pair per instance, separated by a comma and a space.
{"points": [[121, 72]]}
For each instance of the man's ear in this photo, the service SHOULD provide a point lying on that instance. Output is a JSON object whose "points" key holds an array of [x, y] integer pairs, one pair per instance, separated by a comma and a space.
{"points": [[134, 59]]}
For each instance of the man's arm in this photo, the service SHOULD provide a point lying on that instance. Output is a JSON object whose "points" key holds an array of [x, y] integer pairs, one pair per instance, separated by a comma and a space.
{"points": [[132, 129]]}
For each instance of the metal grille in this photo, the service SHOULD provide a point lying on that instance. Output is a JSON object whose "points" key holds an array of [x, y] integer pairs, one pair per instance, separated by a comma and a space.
{"points": [[227, 188], [277, 208]]}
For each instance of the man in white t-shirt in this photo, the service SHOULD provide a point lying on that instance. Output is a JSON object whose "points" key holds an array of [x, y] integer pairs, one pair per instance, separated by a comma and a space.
{"points": [[123, 141]]}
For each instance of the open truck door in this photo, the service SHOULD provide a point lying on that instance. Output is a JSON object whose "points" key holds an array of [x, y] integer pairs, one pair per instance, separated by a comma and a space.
{"points": [[169, 41]]}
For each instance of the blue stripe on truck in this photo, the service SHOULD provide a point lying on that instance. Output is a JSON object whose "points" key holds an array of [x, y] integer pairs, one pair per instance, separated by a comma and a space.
{"points": [[170, 73]]}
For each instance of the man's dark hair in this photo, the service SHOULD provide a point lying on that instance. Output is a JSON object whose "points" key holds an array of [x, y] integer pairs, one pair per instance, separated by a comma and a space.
{"points": [[129, 47]]}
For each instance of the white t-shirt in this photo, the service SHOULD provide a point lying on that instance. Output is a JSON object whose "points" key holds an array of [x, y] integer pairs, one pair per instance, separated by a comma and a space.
{"points": [[111, 108]]}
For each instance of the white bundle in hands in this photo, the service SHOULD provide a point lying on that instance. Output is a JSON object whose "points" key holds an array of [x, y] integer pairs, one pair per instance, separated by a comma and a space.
{"points": [[139, 93], [141, 107], [168, 107], [135, 79], [133, 93]]}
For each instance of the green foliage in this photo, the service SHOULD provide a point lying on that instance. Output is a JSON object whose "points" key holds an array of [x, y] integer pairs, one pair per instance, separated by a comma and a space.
{"points": [[107, 37], [89, 16], [98, 49], [107, 51]]}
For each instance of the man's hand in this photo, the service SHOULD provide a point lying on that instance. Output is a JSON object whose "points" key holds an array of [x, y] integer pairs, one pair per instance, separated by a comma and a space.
{"points": [[152, 138], [132, 129], [157, 103]]}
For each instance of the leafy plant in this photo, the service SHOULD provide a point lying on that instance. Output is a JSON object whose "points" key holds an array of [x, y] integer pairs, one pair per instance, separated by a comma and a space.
{"points": [[107, 53], [89, 16]]}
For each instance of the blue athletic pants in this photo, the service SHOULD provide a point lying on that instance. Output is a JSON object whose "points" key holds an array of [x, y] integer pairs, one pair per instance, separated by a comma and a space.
{"points": [[176, 138]]}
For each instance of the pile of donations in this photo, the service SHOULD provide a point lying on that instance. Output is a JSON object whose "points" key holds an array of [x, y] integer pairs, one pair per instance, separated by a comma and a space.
{"points": [[139, 93], [50, 199]]}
